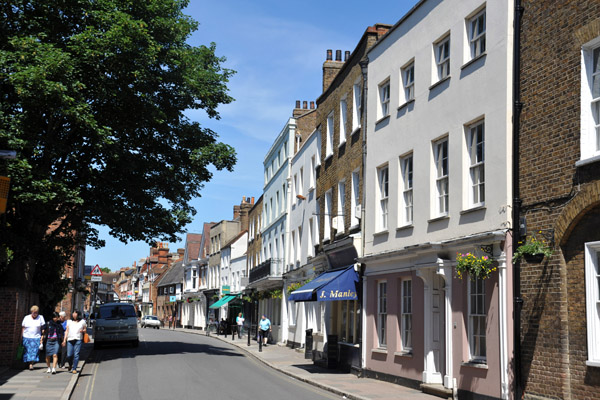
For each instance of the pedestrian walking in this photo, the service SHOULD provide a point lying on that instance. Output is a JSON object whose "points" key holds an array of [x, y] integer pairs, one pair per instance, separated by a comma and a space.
{"points": [[73, 337], [264, 326], [174, 319], [62, 359], [170, 321], [32, 333], [239, 320], [54, 338]]}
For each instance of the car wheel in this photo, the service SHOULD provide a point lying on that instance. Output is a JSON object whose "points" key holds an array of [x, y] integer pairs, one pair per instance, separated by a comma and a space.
{"points": [[135, 343]]}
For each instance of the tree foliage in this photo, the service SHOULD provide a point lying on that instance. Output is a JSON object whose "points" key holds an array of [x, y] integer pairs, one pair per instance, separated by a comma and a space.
{"points": [[92, 95]]}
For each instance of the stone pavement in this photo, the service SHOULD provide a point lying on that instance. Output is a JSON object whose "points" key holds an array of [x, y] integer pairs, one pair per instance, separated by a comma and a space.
{"points": [[37, 384], [293, 363]]}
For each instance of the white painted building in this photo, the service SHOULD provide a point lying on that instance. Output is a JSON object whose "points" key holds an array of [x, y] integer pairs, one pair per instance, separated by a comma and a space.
{"points": [[304, 235], [438, 182]]}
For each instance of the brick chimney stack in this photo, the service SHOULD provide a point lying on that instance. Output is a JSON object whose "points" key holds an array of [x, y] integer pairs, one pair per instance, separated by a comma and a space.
{"points": [[331, 68], [245, 207], [298, 111]]}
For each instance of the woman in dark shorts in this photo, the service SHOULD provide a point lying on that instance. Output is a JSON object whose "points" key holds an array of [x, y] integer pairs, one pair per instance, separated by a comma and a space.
{"points": [[54, 339]]}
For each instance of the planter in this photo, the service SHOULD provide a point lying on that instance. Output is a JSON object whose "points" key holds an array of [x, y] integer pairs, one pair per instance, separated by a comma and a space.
{"points": [[534, 258]]}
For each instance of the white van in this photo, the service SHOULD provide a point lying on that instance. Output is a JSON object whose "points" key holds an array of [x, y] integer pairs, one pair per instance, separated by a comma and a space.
{"points": [[116, 322]]}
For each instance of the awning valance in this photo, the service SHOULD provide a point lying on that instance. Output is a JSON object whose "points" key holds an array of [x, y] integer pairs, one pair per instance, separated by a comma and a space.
{"points": [[224, 300], [329, 286]]}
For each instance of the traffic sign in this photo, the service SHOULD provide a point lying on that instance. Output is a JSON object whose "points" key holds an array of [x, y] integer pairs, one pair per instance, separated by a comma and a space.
{"points": [[96, 271], [96, 278]]}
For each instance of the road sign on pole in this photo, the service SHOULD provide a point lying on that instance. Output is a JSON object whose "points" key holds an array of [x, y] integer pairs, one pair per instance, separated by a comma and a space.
{"points": [[96, 274]]}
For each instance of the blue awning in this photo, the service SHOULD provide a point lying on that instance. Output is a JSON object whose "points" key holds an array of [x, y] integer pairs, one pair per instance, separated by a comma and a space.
{"points": [[329, 286]]}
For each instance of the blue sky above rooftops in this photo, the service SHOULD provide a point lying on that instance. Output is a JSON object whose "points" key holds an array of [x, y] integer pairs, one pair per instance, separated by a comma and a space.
{"points": [[278, 49]]}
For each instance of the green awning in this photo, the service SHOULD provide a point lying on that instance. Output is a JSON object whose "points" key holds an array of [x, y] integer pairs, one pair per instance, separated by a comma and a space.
{"points": [[224, 300]]}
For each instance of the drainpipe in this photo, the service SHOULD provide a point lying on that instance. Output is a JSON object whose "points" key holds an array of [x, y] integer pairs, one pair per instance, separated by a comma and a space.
{"points": [[517, 107], [364, 63]]}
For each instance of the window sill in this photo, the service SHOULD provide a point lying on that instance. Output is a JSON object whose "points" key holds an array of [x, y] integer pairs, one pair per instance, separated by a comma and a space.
{"points": [[440, 218], [341, 144], [593, 363], [472, 364], [401, 106], [380, 120], [404, 227], [407, 354], [349, 344], [379, 350], [438, 83], [473, 209], [329, 156], [473, 60], [381, 233], [355, 226], [311, 189], [587, 161], [355, 131]]}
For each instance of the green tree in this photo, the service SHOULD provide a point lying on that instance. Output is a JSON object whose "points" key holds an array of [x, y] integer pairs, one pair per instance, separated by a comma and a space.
{"points": [[92, 95], [106, 270]]}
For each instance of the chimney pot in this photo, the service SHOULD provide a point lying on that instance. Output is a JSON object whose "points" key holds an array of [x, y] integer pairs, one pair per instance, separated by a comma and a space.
{"points": [[297, 103], [252, 201], [338, 55], [346, 55], [329, 55], [305, 104], [312, 105]]}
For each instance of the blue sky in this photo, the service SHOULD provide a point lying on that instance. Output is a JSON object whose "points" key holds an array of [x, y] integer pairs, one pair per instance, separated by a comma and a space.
{"points": [[277, 49]]}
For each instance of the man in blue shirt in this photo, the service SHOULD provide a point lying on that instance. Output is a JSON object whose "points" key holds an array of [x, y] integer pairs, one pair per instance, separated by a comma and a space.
{"points": [[264, 326]]}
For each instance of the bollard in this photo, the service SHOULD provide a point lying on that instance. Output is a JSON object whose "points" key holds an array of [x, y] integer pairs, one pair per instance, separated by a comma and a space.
{"points": [[233, 333]]}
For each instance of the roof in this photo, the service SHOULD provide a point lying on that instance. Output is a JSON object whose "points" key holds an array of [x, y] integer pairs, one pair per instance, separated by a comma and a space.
{"points": [[173, 275]]}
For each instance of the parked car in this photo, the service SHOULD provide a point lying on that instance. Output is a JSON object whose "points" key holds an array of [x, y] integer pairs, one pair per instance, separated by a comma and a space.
{"points": [[150, 321], [116, 322]]}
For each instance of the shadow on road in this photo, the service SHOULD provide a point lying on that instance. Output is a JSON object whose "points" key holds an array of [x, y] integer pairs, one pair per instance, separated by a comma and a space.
{"points": [[154, 348]]}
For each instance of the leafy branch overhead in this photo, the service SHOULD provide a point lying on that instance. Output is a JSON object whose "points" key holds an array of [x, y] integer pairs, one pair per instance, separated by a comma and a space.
{"points": [[92, 98]]}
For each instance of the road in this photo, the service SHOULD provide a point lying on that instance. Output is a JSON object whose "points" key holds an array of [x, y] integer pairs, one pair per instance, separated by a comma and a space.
{"points": [[177, 365]]}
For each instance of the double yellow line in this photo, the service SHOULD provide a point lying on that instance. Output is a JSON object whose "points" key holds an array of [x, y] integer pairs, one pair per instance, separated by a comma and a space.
{"points": [[89, 388]]}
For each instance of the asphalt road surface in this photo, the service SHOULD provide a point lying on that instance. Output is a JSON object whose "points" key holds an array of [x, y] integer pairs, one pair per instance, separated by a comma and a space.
{"points": [[177, 366]]}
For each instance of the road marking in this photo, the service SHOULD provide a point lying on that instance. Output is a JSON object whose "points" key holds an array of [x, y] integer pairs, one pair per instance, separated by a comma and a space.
{"points": [[92, 381]]}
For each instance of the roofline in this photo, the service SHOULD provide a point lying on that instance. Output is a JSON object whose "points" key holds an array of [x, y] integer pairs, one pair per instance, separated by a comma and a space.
{"points": [[397, 24]]}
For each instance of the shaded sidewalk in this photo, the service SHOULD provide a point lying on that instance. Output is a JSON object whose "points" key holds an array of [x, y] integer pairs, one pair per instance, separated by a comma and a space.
{"points": [[293, 363], [21, 384]]}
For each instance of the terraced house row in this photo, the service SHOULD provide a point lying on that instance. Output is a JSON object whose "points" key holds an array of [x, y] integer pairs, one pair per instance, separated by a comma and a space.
{"points": [[397, 230]]}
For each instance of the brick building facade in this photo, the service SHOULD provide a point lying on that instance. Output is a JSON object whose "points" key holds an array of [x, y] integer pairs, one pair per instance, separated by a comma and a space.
{"points": [[560, 192]]}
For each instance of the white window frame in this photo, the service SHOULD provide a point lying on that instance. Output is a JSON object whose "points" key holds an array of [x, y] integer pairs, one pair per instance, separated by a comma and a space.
{"points": [[343, 121], [310, 241], [327, 215], [356, 106], [301, 182], [355, 199], [476, 160], [442, 57], [384, 99], [383, 181], [406, 315], [592, 301], [408, 81], [313, 172], [477, 320], [381, 314], [590, 101], [329, 140], [476, 28], [441, 168], [341, 205], [407, 202]]}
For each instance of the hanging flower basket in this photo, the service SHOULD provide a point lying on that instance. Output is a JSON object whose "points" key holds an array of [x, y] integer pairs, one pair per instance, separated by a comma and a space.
{"points": [[533, 250], [479, 267]]}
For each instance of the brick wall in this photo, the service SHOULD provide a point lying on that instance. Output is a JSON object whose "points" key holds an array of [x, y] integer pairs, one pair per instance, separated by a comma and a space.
{"points": [[557, 198], [15, 305], [348, 157]]}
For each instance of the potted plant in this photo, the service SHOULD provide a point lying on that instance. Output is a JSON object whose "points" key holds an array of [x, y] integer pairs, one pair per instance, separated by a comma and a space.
{"points": [[469, 263], [533, 250]]}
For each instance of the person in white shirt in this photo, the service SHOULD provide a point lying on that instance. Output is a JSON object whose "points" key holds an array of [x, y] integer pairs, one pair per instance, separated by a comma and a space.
{"points": [[73, 337], [239, 320], [32, 332]]}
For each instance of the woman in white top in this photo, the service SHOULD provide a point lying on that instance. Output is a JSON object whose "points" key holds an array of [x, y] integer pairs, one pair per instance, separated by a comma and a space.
{"points": [[73, 337], [32, 333]]}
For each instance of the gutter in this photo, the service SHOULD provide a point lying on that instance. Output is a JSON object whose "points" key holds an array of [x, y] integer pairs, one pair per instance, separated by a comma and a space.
{"points": [[517, 107]]}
